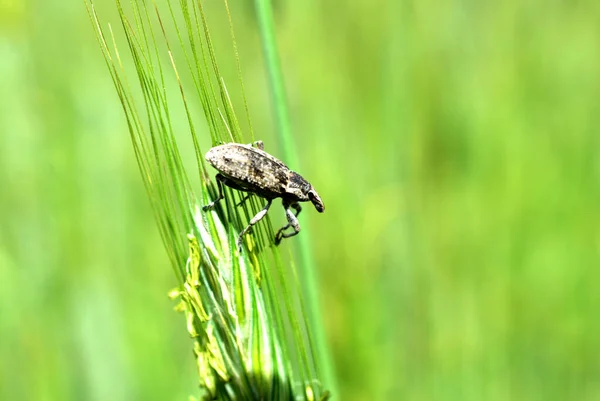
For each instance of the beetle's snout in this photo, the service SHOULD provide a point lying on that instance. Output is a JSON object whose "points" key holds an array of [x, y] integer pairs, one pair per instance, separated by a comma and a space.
{"points": [[316, 200]]}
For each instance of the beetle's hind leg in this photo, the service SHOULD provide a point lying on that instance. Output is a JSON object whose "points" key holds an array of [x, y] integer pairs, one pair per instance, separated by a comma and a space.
{"points": [[220, 179], [292, 222], [244, 199], [259, 216]]}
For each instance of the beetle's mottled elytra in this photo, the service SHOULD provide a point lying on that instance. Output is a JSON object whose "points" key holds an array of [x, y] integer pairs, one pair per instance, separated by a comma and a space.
{"points": [[249, 168]]}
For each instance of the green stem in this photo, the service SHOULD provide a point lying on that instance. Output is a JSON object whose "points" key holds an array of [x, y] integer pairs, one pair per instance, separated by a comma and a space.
{"points": [[275, 78], [286, 142]]}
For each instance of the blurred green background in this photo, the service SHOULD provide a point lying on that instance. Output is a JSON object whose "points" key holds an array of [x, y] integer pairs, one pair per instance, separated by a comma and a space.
{"points": [[455, 145]]}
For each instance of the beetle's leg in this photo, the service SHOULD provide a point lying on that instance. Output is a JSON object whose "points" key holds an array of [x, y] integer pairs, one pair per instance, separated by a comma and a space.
{"points": [[292, 222], [258, 144], [232, 184], [254, 220], [220, 180], [244, 199], [296, 207]]}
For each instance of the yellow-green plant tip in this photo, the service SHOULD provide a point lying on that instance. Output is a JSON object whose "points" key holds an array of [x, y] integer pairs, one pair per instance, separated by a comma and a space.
{"points": [[205, 372], [193, 263], [215, 356], [190, 321]]}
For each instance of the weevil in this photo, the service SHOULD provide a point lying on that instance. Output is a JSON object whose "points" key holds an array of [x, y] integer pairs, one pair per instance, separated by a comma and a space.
{"points": [[250, 169]]}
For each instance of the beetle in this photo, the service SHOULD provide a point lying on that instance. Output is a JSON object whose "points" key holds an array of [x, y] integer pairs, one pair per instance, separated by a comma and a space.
{"points": [[250, 169]]}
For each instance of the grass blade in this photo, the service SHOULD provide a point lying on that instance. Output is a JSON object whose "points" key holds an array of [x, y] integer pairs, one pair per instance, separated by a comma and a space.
{"points": [[286, 140]]}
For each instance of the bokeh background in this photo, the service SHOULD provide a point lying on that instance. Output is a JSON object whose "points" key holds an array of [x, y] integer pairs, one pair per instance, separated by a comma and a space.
{"points": [[455, 145]]}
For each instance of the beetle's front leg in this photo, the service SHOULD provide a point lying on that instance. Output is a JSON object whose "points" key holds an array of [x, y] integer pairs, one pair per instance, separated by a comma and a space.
{"points": [[254, 220], [292, 222], [220, 180], [297, 208]]}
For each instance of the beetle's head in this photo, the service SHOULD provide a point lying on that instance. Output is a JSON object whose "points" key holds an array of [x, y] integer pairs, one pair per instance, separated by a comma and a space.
{"points": [[298, 189], [316, 200]]}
